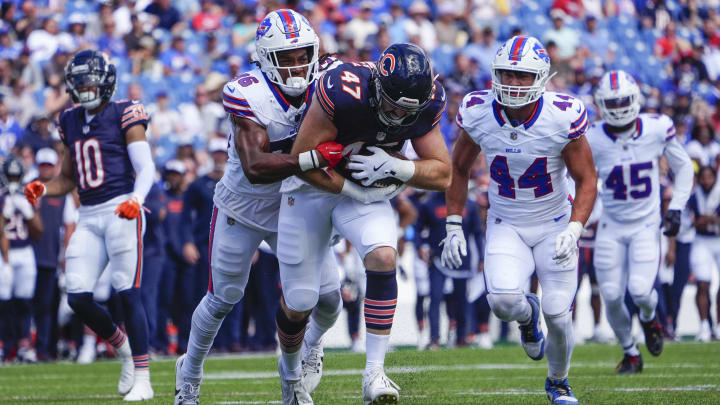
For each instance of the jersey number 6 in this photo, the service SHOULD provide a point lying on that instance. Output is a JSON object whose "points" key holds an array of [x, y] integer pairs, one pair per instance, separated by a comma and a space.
{"points": [[88, 159]]}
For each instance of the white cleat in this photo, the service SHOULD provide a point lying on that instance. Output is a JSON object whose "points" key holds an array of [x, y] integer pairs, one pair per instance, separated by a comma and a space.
{"points": [[312, 367], [378, 389], [293, 392], [127, 375], [705, 334], [484, 341], [186, 393], [87, 354], [140, 391]]}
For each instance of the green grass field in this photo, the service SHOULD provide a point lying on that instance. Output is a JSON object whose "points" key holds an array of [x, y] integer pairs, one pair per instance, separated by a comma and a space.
{"points": [[686, 373]]}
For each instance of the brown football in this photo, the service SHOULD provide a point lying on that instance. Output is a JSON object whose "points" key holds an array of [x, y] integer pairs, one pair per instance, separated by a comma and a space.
{"points": [[347, 173]]}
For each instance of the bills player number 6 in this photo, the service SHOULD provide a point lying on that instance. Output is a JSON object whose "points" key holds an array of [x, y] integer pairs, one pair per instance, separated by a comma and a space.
{"points": [[89, 163]]}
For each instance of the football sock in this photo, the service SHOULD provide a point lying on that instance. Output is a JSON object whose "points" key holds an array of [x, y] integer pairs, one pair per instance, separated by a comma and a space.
{"points": [[135, 321], [559, 344], [375, 348], [290, 334], [620, 321], [92, 314], [380, 299], [646, 304], [206, 321], [631, 349], [323, 317]]}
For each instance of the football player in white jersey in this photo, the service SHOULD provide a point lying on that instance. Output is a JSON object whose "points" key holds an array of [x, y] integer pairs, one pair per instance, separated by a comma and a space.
{"points": [[530, 138], [626, 147], [265, 106]]}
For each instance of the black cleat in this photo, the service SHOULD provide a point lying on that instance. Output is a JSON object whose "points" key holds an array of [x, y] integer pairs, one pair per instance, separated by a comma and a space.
{"points": [[654, 336], [630, 365]]}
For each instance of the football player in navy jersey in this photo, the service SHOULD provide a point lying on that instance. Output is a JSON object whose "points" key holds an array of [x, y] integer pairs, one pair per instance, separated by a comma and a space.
{"points": [[21, 223], [104, 145], [357, 105]]}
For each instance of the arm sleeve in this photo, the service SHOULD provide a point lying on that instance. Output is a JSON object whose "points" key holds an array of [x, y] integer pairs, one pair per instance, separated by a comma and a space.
{"points": [[142, 162], [70, 212], [683, 169]]}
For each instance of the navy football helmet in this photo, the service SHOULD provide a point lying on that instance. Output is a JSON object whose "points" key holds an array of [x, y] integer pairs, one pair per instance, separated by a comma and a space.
{"points": [[90, 78], [13, 172], [403, 84]]}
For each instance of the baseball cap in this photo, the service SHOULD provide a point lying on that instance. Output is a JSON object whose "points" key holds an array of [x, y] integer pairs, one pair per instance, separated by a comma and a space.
{"points": [[217, 145], [174, 165], [46, 156]]}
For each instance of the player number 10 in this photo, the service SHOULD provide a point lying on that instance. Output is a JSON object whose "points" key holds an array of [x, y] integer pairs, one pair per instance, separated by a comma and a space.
{"points": [[88, 159]]}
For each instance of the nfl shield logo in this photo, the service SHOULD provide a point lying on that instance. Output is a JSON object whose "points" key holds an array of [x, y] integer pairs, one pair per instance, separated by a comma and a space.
{"points": [[381, 136], [291, 201], [86, 129], [513, 136]]}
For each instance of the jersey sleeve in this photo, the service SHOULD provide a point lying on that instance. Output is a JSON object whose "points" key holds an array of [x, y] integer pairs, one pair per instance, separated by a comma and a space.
{"points": [[438, 104], [668, 128], [327, 91], [474, 108], [237, 104], [60, 124], [133, 113], [579, 119]]}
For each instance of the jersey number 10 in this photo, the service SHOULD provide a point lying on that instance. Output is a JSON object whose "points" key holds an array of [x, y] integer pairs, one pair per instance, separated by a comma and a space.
{"points": [[88, 159]]}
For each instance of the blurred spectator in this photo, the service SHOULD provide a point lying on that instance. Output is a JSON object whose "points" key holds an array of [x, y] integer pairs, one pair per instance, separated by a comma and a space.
{"points": [[20, 101], [596, 41], [483, 48], [362, 26], [166, 122], [448, 31], [463, 76], [109, 42], [132, 38], [44, 42], [30, 72], [573, 8], [8, 48], [209, 17], [167, 15], [397, 23], [145, 61], [566, 39], [213, 54], [56, 66], [201, 117], [244, 29], [418, 28], [703, 147], [177, 59], [39, 134], [670, 46], [76, 28], [10, 131], [56, 98]]}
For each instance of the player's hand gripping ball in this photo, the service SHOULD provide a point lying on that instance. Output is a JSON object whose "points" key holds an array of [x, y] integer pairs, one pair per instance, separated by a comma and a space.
{"points": [[346, 170]]}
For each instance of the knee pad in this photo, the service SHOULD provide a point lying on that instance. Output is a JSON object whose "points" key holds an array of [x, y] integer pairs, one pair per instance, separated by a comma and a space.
{"points": [[558, 322], [301, 299], [507, 307], [216, 307], [557, 303], [612, 294], [328, 308]]}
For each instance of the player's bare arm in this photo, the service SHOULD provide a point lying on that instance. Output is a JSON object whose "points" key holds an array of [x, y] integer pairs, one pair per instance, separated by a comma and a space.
{"points": [[432, 170], [253, 147], [317, 128], [464, 155], [65, 181], [579, 161]]}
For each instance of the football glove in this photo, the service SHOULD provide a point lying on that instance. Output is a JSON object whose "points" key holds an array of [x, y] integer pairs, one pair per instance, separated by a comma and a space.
{"points": [[34, 190], [671, 221], [369, 195], [129, 209], [454, 244], [380, 165], [332, 152], [566, 244]]}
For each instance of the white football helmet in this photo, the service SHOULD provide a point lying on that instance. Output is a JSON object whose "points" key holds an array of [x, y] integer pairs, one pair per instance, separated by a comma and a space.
{"points": [[522, 54], [618, 98], [284, 30]]}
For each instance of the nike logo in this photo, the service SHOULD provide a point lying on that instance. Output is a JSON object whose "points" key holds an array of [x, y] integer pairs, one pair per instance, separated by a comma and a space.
{"points": [[329, 85], [559, 218], [579, 109], [376, 168]]}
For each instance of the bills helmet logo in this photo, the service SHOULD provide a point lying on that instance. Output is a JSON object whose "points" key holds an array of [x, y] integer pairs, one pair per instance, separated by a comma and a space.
{"points": [[387, 64], [263, 28], [541, 52]]}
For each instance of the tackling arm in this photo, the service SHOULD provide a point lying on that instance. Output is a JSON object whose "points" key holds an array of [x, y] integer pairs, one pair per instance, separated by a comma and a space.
{"points": [[432, 170], [464, 155], [579, 161], [252, 146]]}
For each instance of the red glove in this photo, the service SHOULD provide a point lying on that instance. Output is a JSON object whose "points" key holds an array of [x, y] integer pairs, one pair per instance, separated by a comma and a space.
{"points": [[129, 209], [331, 152], [33, 191]]}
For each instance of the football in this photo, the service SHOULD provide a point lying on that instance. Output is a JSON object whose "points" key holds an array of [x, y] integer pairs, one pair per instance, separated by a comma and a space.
{"points": [[347, 173]]}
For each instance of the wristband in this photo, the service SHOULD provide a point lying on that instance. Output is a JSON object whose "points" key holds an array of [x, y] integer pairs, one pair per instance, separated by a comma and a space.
{"points": [[404, 170], [454, 220], [352, 190], [308, 160]]}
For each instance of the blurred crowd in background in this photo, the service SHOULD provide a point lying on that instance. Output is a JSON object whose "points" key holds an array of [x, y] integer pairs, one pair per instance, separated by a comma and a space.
{"points": [[175, 56]]}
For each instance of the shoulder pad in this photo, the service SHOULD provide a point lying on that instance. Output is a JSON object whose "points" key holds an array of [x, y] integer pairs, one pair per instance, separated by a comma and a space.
{"points": [[238, 95], [474, 108]]}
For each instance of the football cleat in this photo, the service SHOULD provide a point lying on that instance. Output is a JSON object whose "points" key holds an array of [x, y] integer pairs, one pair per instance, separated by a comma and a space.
{"points": [[531, 334], [559, 392], [378, 389], [312, 367], [127, 376], [27, 355], [186, 393], [140, 391], [654, 336], [630, 365], [293, 392]]}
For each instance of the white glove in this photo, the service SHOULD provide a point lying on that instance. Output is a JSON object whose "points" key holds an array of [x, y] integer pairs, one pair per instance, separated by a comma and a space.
{"points": [[380, 165], [23, 205], [8, 207], [369, 195], [454, 244], [566, 247]]}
